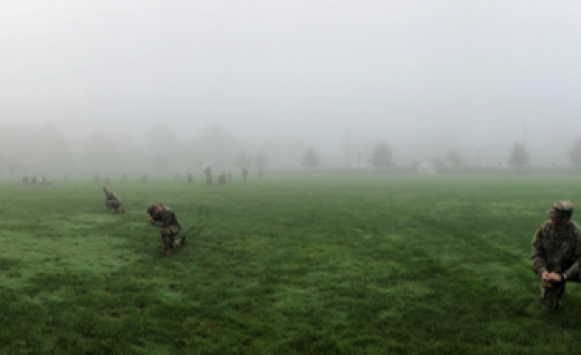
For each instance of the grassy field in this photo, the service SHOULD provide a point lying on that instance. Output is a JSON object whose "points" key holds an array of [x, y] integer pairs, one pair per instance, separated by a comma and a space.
{"points": [[311, 265]]}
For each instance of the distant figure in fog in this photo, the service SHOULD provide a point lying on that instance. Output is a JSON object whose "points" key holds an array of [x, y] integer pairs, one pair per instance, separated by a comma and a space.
{"points": [[208, 173], [124, 176], [107, 181], [33, 180], [144, 178], [222, 178], [244, 173], [96, 178], [190, 178], [25, 180]]}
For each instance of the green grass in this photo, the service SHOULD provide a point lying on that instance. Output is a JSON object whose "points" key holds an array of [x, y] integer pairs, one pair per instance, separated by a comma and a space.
{"points": [[317, 265]]}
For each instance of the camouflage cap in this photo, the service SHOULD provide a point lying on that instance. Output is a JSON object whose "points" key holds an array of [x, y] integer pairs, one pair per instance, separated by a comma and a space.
{"points": [[560, 206], [151, 207]]}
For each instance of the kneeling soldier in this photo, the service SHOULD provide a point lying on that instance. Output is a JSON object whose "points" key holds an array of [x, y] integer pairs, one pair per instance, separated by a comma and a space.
{"points": [[164, 218], [113, 202], [556, 254]]}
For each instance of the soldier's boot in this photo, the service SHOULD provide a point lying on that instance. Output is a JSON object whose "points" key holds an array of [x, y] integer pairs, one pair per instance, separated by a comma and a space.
{"points": [[167, 250], [180, 241]]}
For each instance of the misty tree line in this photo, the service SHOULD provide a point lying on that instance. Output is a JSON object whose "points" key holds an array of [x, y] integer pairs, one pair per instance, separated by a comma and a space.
{"points": [[382, 157], [45, 151]]}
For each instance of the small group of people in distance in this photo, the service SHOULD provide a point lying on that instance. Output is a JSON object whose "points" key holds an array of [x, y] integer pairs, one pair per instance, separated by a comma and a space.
{"points": [[222, 179], [34, 180]]}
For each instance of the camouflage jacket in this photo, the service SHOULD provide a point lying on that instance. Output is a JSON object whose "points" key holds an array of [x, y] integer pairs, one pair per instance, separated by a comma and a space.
{"points": [[556, 250], [165, 218], [111, 197]]}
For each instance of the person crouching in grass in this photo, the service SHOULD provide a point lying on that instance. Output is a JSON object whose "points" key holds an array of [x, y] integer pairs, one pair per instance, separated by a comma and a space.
{"points": [[556, 254]]}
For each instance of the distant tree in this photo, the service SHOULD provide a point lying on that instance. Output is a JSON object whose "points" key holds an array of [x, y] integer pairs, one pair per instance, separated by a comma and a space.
{"points": [[161, 145], [382, 156], [575, 153], [261, 161], [518, 156], [439, 164], [416, 165], [454, 158], [310, 159], [243, 160]]}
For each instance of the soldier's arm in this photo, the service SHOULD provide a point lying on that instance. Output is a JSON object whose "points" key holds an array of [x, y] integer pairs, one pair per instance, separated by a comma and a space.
{"points": [[164, 222], [573, 271], [538, 253]]}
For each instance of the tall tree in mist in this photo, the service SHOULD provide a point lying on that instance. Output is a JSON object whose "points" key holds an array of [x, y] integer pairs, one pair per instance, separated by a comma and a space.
{"points": [[243, 160], [216, 146], [311, 159], [261, 161], [518, 156], [57, 154], [454, 158], [575, 153], [382, 156], [161, 146]]}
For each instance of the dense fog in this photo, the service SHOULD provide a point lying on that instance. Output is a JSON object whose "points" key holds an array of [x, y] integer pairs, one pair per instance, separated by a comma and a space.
{"points": [[171, 87]]}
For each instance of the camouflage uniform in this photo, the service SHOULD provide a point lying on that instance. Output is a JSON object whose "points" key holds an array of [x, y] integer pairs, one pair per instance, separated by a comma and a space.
{"points": [[168, 222], [112, 201], [556, 250]]}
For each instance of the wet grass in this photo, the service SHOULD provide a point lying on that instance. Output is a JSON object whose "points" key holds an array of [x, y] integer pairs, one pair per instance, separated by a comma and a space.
{"points": [[318, 265]]}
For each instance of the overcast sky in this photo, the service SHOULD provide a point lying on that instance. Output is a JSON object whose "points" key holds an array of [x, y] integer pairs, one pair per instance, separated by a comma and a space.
{"points": [[411, 72]]}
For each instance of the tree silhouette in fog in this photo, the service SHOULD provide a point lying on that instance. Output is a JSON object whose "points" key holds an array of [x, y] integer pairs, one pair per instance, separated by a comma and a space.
{"points": [[382, 156], [310, 159], [454, 158], [518, 156], [243, 160]]}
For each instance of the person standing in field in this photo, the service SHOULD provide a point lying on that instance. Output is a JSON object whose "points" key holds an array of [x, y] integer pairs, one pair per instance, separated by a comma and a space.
{"points": [[25, 180], [190, 178], [144, 178], [124, 176], [96, 178], [556, 254], [107, 181], [244, 173], [112, 201], [163, 217], [208, 172], [222, 178]]}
